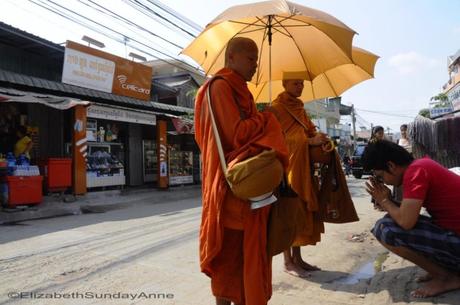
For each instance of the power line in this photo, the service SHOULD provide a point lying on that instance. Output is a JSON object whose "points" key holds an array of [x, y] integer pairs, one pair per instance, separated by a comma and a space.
{"points": [[66, 16], [159, 18], [180, 17], [104, 10], [386, 113]]}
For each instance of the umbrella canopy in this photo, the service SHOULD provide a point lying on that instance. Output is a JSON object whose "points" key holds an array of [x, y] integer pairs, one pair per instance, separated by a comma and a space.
{"points": [[290, 37], [330, 83]]}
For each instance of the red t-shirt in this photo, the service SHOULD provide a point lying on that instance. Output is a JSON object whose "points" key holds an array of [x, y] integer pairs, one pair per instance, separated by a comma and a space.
{"points": [[438, 187]]}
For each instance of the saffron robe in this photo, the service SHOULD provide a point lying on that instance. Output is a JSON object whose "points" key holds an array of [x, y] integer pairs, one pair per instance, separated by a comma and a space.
{"points": [[299, 172], [222, 211]]}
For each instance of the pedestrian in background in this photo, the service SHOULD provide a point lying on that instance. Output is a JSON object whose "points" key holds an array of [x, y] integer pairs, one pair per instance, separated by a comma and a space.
{"points": [[404, 140], [377, 134], [405, 143]]}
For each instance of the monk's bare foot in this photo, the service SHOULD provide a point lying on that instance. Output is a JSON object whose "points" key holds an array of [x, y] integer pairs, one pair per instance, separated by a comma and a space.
{"points": [[424, 278], [306, 266], [296, 270], [437, 286]]}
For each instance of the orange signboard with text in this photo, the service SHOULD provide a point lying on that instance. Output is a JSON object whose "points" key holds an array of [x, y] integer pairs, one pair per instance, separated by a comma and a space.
{"points": [[95, 69]]}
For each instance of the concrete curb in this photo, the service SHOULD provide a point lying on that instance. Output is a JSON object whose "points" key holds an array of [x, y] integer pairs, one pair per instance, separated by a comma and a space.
{"points": [[97, 202]]}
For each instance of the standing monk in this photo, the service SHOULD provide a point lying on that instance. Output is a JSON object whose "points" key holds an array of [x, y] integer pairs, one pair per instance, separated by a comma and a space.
{"points": [[232, 236], [299, 138]]}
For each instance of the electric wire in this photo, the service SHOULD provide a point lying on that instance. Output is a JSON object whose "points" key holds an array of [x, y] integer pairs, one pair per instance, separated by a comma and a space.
{"points": [[142, 8], [112, 14], [73, 19], [386, 113], [177, 15]]}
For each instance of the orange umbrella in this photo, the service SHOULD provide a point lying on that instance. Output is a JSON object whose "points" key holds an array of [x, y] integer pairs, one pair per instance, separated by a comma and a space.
{"points": [[290, 37], [330, 83]]}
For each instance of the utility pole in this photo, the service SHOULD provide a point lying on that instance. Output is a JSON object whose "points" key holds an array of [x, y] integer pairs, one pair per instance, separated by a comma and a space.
{"points": [[353, 121]]}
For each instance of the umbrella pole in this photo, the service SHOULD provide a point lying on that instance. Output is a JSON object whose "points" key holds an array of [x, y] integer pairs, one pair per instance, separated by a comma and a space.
{"points": [[270, 59]]}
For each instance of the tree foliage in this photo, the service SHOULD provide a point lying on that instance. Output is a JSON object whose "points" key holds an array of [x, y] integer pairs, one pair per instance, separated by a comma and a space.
{"points": [[425, 112]]}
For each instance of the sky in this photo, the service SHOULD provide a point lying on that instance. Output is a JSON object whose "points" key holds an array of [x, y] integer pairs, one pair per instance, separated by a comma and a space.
{"points": [[412, 37]]}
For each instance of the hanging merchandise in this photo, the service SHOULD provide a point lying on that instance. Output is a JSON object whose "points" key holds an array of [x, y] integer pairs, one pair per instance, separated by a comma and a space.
{"points": [[108, 134], [101, 134]]}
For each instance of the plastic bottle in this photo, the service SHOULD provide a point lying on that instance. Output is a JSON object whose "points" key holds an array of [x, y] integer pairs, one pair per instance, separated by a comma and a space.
{"points": [[23, 160], [11, 163]]}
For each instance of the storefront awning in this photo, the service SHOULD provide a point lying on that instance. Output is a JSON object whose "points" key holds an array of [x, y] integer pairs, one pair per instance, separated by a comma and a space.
{"points": [[57, 102]]}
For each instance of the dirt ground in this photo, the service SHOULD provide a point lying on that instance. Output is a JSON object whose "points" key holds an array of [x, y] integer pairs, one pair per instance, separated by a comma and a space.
{"points": [[356, 269]]}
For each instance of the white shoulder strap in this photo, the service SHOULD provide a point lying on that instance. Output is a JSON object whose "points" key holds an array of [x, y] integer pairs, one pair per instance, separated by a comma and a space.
{"points": [[214, 128]]}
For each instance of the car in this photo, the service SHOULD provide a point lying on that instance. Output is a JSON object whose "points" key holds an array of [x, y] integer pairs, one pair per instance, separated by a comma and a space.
{"points": [[357, 169]]}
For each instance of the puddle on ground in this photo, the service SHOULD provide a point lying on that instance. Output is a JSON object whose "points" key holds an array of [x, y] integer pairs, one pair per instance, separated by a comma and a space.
{"points": [[366, 271]]}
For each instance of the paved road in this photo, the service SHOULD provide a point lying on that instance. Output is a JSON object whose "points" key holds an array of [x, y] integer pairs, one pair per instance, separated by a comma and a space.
{"points": [[147, 253]]}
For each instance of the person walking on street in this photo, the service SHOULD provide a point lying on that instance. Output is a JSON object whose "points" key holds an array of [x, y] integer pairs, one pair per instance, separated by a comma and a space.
{"points": [[232, 236], [432, 243], [346, 163]]}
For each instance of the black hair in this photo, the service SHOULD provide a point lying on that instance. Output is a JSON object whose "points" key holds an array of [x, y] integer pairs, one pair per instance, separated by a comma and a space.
{"points": [[377, 129], [379, 153], [403, 126], [23, 130]]}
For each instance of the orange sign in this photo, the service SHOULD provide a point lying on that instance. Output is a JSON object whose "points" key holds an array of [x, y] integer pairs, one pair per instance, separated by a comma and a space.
{"points": [[92, 68]]}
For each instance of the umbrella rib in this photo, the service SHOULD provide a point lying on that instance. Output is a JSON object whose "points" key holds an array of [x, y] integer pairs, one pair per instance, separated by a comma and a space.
{"points": [[263, 25], [329, 82], [246, 32], [303, 59], [281, 32], [260, 55], [305, 63], [349, 57]]}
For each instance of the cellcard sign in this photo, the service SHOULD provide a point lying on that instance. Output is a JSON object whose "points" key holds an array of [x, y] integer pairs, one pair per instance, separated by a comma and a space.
{"points": [[91, 68], [122, 115]]}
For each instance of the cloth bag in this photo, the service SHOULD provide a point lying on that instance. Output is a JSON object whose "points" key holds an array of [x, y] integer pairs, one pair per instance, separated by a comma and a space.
{"points": [[254, 178], [335, 203], [286, 218]]}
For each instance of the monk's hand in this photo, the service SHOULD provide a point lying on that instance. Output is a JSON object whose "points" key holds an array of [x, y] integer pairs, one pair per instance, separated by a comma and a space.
{"points": [[318, 139]]}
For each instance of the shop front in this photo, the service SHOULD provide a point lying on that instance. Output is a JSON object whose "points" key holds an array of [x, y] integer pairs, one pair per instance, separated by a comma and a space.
{"points": [[119, 149], [184, 159], [41, 163]]}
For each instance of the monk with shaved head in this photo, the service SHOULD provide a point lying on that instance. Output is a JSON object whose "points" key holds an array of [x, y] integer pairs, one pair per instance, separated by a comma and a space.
{"points": [[232, 235], [301, 135]]}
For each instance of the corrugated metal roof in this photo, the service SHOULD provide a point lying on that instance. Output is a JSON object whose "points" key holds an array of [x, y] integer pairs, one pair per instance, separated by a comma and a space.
{"points": [[35, 82]]}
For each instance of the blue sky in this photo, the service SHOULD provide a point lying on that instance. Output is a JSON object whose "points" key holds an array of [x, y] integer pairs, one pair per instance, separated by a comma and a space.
{"points": [[412, 37]]}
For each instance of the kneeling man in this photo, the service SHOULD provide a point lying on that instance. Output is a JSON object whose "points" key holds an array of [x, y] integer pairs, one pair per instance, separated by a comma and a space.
{"points": [[432, 243]]}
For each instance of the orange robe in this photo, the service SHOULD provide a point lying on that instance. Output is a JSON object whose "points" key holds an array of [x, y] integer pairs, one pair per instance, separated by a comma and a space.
{"points": [[237, 262], [299, 171]]}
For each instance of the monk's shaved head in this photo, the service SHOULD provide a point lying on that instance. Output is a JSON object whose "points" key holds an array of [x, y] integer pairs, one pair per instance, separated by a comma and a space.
{"points": [[293, 86], [239, 44], [241, 56]]}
